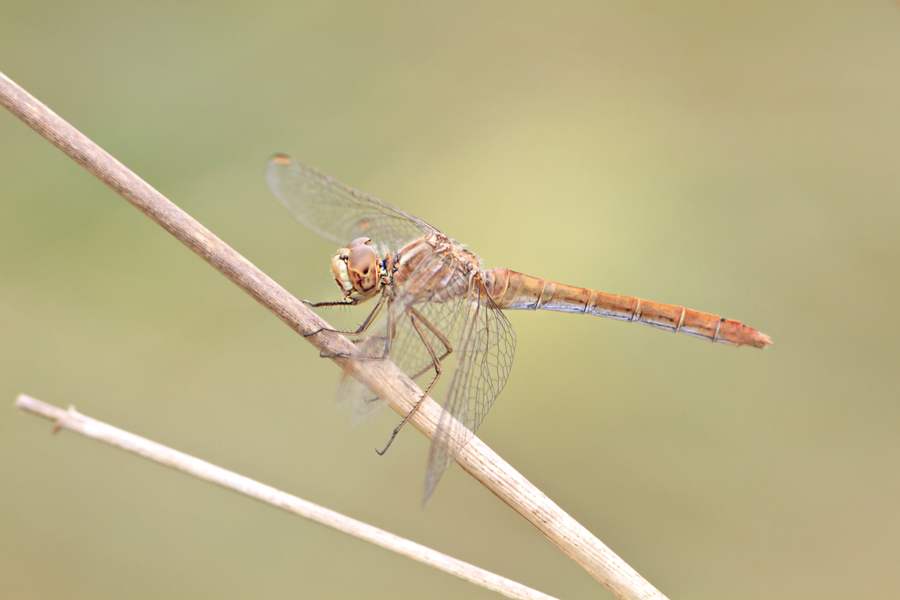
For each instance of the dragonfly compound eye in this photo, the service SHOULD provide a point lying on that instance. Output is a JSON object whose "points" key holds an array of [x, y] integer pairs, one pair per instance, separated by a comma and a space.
{"points": [[363, 269], [357, 270]]}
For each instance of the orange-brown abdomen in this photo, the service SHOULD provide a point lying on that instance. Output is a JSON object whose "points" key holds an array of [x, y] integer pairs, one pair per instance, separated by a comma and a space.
{"points": [[517, 291]]}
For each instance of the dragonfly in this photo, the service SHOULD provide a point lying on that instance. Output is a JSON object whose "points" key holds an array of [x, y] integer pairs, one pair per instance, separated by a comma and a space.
{"points": [[433, 299]]}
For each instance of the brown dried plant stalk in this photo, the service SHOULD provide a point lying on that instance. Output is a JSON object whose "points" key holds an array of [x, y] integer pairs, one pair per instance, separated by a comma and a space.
{"points": [[79, 423], [382, 377]]}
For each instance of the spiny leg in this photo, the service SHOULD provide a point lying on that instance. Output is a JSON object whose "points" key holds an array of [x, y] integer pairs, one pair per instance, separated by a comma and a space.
{"points": [[417, 320], [362, 329], [391, 331]]}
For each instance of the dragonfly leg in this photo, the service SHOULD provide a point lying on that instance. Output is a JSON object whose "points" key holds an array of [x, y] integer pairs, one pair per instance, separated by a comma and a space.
{"points": [[418, 320], [330, 303], [360, 330], [387, 339]]}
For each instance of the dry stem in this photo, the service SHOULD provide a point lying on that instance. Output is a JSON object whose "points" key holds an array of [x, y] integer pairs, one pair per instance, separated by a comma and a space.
{"points": [[382, 377], [75, 421]]}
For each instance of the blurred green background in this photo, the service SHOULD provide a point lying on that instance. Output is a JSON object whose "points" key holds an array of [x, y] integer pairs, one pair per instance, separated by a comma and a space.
{"points": [[737, 158]]}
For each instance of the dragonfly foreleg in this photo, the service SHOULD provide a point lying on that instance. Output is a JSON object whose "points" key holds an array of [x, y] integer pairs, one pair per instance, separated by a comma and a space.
{"points": [[418, 320], [388, 339], [360, 330], [330, 303]]}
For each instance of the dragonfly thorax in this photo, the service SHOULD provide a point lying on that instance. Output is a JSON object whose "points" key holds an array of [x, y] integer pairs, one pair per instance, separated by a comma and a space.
{"points": [[358, 271]]}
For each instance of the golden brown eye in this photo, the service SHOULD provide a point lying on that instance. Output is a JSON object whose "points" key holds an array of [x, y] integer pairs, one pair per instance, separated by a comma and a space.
{"points": [[362, 266], [362, 259]]}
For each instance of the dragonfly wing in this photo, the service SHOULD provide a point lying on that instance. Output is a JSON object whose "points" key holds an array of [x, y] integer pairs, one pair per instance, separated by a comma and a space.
{"points": [[363, 403], [336, 211], [485, 351], [438, 314]]}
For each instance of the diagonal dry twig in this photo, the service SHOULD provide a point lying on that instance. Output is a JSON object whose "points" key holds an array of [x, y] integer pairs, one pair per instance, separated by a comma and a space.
{"points": [[382, 377], [75, 421]]}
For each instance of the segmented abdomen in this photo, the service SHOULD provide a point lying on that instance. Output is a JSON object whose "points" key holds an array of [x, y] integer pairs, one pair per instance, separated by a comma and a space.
{"points": [[517, 291]]}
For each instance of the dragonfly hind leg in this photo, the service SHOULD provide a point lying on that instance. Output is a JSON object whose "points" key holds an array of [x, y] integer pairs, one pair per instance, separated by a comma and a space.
{"points": [[418, 320]]}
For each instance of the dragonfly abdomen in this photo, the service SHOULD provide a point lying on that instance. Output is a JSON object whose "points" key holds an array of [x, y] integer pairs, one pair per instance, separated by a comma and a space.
{"points": [[517, 291]]}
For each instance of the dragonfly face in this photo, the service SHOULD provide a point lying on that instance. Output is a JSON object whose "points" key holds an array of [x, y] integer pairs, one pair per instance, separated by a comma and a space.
{"points": [[357, 270]]}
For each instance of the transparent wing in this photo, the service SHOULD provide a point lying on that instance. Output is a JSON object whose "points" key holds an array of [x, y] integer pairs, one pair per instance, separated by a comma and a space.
{"points": [[439, 314], [336, 211], [485, 353], [363, 404]]}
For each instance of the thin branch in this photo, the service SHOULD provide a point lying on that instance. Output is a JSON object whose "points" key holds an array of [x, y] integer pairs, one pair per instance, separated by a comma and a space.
{"points": [[382, 377], [75, 421]]}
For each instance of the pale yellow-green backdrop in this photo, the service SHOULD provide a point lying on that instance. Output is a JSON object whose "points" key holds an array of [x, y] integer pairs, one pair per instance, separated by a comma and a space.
{"points": [[737, 158]]}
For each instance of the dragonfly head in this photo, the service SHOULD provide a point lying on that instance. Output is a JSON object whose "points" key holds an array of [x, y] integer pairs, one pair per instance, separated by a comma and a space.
{"points": [[358, 270]]}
